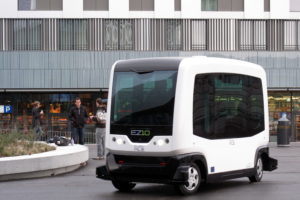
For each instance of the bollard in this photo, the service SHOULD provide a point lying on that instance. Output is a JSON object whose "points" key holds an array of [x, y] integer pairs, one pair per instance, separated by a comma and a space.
{"points": [[283, 131]]}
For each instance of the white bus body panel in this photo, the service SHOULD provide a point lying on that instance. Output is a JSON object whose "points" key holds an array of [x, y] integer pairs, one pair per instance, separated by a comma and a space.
{"points": [[222, 155]]}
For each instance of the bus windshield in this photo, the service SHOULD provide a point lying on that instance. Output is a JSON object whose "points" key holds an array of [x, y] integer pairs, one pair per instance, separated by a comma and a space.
{"points": [[143, 98]]}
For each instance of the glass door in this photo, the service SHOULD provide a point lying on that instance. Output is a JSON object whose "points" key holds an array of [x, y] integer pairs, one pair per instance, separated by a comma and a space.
{"points": [[296, 115], [279, 103]]}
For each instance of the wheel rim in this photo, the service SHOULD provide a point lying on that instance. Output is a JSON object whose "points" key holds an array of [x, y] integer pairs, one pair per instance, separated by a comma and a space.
{"points": [[193, 179], [259, 168]]}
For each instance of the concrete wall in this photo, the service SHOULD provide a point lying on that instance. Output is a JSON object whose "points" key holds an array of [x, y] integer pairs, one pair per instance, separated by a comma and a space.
{"points": [[279, 9], [76, 69]]}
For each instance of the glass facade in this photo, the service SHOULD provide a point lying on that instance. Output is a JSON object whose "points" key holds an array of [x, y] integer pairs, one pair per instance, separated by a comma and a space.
{"points": [[149, 34], [55, 106], [285, 103]]}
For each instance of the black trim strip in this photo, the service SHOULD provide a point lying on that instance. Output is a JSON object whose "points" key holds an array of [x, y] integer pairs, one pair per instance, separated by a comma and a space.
{"points": [[230, 175]]}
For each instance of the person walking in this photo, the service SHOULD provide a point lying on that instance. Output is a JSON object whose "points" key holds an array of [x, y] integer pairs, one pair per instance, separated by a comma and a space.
{"points": [[100, 119], [78, 117], [37, 114]]}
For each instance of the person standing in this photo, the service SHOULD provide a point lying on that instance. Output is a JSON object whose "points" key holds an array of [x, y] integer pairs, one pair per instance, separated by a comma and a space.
{"points": [[78, 117], [37, 114], [100, 119]]}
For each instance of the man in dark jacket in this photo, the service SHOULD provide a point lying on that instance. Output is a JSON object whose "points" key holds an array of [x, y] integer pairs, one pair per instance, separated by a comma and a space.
{"points": [[78, 117]]}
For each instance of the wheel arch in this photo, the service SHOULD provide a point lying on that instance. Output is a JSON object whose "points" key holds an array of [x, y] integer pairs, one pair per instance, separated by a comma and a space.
{"points": [[200, 161], [269, 164]]}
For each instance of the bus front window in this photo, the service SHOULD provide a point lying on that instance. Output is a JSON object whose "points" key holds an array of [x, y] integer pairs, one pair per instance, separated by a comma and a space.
{"points": [[143, 98]]}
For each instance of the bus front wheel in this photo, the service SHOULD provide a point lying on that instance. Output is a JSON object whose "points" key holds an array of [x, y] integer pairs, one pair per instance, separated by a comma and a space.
{"points": [[258, 171], [193, 182]]}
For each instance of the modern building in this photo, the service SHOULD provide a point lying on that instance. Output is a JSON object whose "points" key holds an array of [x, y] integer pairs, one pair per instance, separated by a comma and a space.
{"points": [[54, 50]]}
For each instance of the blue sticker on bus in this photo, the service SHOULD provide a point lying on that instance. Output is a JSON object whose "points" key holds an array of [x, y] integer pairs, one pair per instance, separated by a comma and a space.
{"points": [[212, 169]]}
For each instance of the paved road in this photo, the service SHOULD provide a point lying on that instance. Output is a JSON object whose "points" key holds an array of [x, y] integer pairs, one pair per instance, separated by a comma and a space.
{"points": [[283, 183]]}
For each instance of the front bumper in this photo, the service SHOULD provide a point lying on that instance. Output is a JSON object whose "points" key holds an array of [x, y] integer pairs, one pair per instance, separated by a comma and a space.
{"points": [[144, 169]]}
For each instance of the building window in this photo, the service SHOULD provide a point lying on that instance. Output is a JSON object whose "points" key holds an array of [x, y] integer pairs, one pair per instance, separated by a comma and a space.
{"points": [[111, 35], [95, 4], [177, 5], [288, 104], [209, 5], [199, 35], [1, 35], [280, 103], [40, 4], [141, 5], [174, 35], [267, 5], [294, 5], [252, 35], [118, 34], [222, 5], [227, 106], [126, 35], [27, 34], [73, 35], [291, 35]]}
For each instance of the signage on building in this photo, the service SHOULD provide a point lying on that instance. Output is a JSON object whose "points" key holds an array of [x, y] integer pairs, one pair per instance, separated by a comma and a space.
{"points": [[5, 109]]}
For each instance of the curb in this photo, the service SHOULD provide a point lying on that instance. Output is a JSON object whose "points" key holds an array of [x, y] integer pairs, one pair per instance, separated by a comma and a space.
{"points": [[62, 160]]}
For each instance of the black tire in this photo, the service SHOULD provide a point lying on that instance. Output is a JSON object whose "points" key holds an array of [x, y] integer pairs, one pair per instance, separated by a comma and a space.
{"points": [[258, 171], [123, 186], [194, 181]]}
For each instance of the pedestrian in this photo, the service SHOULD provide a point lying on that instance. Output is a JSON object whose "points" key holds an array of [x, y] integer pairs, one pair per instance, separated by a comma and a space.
{"points": [[100, 119], [78, 117], [37, 114]]}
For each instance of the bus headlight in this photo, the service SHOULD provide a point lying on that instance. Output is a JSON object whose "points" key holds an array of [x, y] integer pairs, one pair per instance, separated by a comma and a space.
{"points": [[161, 142], [118, 140]]}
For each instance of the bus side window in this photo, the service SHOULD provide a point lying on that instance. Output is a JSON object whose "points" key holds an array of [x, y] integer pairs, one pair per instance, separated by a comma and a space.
{"points": [[227, 106]]}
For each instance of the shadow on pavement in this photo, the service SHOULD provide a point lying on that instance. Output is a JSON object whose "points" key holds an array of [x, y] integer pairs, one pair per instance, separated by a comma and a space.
{"points": [[143, 191]]}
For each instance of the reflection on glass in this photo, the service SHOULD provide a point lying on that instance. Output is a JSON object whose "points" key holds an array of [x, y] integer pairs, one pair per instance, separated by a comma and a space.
{"points": [[143, 98], [55, 106], [279, 103], [296, 113], [209, 5]]}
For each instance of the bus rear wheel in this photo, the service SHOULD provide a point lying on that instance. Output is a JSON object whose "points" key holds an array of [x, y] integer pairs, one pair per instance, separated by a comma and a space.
{"points": [[123, 186], [193, 182], [259, 171]]}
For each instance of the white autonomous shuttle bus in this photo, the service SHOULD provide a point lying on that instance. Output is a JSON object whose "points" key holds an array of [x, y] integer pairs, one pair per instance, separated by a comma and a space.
{"points": [[186, 121]]}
